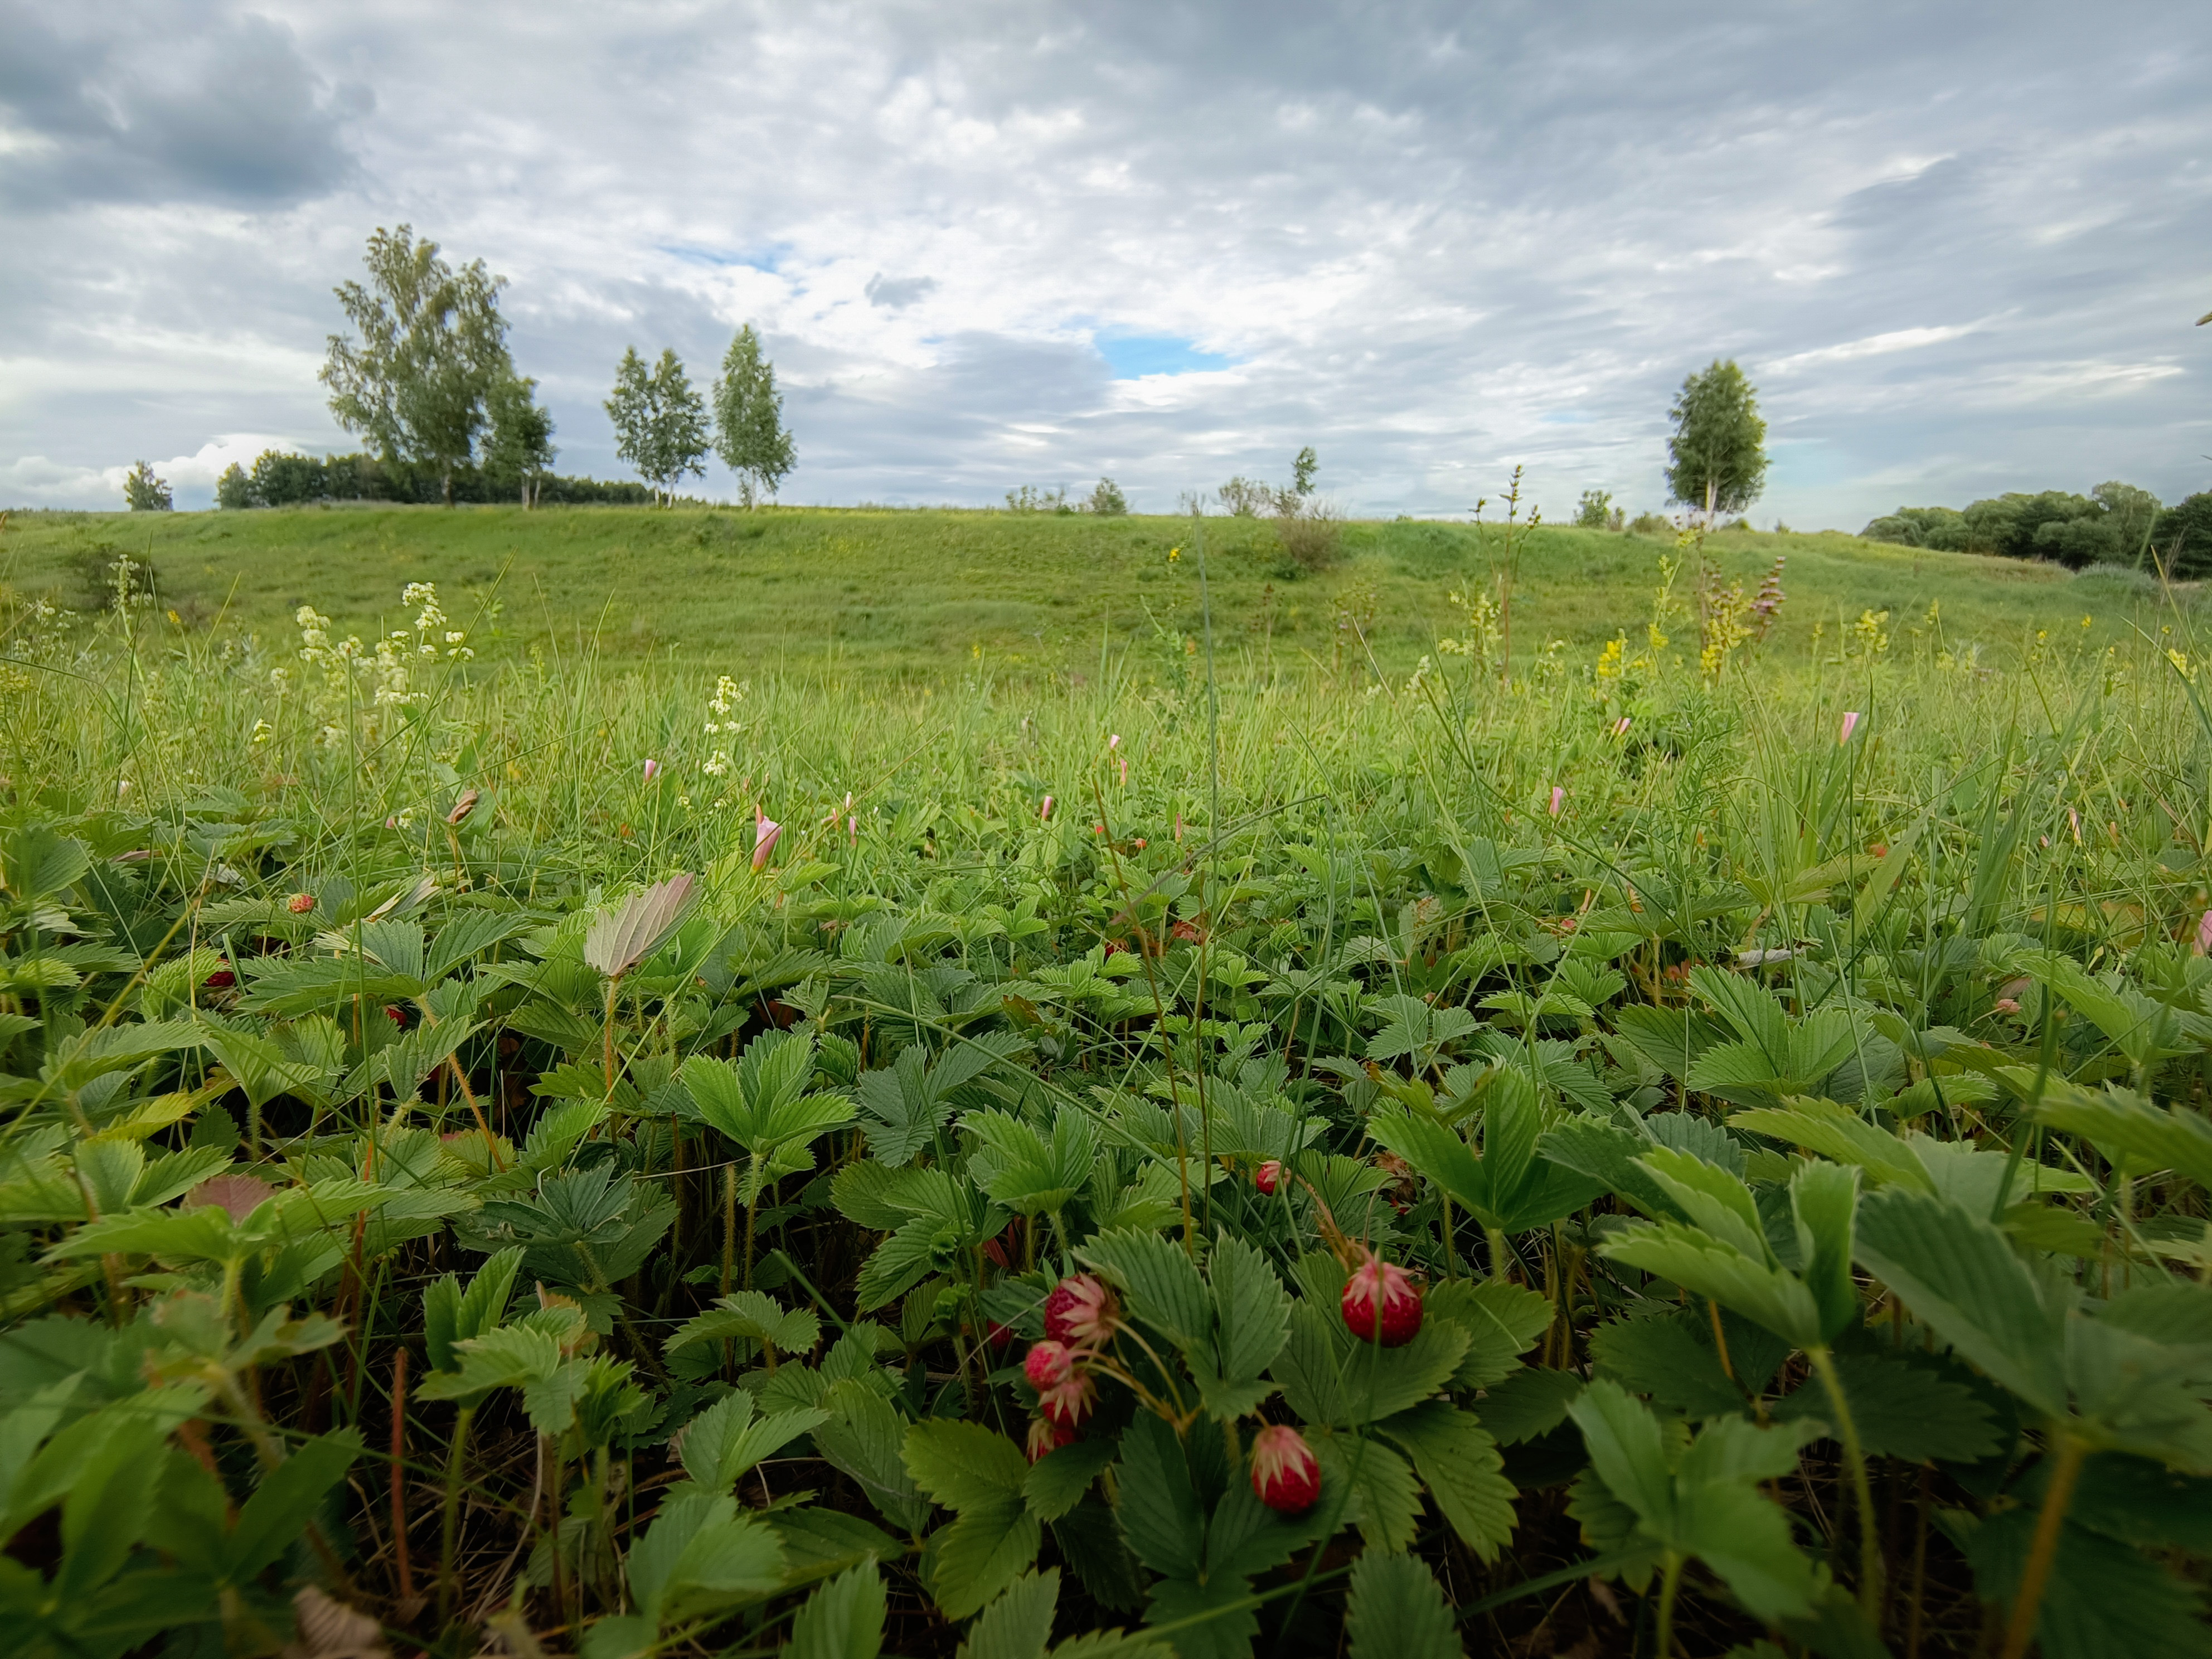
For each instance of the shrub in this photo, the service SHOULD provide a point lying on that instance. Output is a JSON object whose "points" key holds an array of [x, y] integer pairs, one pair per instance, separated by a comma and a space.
{"points": [[1246, 497], [1107, 500], [1651, 524], [2182, 536], [1595, 511], [1311, 532]]}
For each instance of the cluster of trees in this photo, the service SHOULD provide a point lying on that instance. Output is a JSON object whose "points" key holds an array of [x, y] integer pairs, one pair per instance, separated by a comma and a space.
{"points": [[2114, 524], [281, 477], [661, 422], [426, 377]]}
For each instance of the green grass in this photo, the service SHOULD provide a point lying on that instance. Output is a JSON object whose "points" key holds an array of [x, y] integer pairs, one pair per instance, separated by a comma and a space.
{"points": [[1927, 997], [923, 592]]}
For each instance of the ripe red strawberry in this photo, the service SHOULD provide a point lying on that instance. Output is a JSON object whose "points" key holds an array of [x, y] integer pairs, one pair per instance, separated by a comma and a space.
{"points": [[221, 980], [1068, 1401], [998, 1336], [1380, 1305], [1047, 1365], [1286, 1475], [1047, 1436], [1080, 1311], [1267, 1177]]}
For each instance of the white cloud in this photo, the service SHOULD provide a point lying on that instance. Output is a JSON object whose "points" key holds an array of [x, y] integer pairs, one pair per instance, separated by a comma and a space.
{"points": [[1431, 241], [1873, 345]]}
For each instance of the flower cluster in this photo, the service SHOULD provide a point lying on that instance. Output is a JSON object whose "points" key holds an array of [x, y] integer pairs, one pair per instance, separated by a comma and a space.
{"points": [[728, 694]]}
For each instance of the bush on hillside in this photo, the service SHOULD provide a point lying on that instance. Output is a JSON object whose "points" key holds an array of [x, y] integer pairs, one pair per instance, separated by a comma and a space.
{"points": [[284, 478], [2181, 537], [2106, 526]]}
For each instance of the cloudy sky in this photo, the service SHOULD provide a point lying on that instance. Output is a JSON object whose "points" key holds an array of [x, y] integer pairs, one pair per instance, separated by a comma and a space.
{"points": [[1959, 248]]}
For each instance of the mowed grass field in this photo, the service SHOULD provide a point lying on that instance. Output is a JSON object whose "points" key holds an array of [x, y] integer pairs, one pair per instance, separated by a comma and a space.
{"points": [[927, 592]]}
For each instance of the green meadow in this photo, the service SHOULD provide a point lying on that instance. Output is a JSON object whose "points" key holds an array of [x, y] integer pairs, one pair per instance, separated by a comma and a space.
{"points": [[923, 592]]}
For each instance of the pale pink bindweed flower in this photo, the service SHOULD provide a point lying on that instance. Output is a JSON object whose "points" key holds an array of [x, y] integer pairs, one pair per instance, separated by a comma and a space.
{"points": [[1044, 812], [1851, 724], [1620, 727], [1113, 742], [765, 830], [2205, 935], [1558, 799], [852, 826], [1124, 763], [2074, 818], [651, 770]]}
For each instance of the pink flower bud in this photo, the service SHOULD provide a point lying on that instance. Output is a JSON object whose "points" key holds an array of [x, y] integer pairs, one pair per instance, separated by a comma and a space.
{"points": [[1851, 724], [2205, 935], [1268, 1177], [1620, 727], [651, 770], [1558, 799], [765, 830], [1044, 812]]}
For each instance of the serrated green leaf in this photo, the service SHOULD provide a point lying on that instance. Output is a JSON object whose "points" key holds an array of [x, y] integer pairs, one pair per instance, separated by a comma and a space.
{"points": [[1901, 1409], [1159, 1284], [1056, 1482], [1957, 1274], [1398, 1610], [1527, 1404], [1458, 1461], [843, 1618], [864, 1436], [983, 1552], [962, 1465], [1018, 1624]]}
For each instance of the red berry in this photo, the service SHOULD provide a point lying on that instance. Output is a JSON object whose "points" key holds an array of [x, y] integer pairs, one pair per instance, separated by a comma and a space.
{"points": [[299, 903], [1380, 1305], [1068, 1401], [1286, 1474], [1267, 1177], [397, 1017], [1080, 1311], [998, 1336], [1047, 1436], [221, 980], [1047, 1365]]}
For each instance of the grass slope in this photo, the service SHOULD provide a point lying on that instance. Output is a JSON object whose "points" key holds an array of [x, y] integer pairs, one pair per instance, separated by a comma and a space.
{"points": [[922, 592]]}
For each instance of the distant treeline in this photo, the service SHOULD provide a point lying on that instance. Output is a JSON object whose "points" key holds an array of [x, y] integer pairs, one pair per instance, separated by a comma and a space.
{"points": [[282, 478], [2113, 523]]}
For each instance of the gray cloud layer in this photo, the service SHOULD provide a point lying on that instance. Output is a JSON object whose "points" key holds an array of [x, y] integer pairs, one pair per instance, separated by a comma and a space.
{"points": [[1959, 248]]}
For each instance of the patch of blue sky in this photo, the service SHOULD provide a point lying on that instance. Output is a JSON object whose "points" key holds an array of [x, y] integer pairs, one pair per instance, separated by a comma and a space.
{"points": [[769, 259], [1132, 357]]}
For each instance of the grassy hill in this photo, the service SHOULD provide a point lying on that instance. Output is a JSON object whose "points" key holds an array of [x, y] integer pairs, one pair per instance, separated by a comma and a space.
{"points": [[924, 592]]}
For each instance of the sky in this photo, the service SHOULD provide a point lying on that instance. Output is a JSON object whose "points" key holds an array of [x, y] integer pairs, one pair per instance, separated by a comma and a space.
{"points": [[1958, 248]]}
